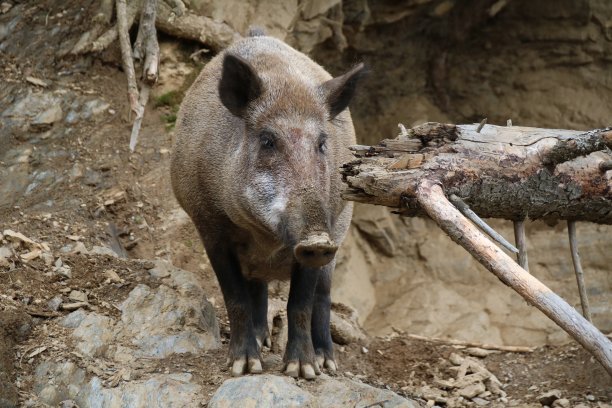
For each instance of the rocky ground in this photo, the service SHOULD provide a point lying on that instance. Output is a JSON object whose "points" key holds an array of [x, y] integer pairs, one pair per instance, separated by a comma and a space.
{"points": [[107, 298]]}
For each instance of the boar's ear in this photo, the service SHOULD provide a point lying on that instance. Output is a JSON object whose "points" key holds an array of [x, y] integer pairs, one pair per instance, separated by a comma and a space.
{"points": [[239, 84], [340, 90]]}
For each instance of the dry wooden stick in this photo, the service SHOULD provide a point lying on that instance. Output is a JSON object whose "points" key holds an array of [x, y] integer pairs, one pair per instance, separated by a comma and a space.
{"points": [[584, 300], [146, 48], [432, 199], [126, 54], [521, 243], [453, 342], [465, 210], [142, 102]]}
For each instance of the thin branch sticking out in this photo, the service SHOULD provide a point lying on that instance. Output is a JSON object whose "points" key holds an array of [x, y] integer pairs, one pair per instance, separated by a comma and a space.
{"points": [[482, 124], [472, 216], [584, 301], [521, 243]]}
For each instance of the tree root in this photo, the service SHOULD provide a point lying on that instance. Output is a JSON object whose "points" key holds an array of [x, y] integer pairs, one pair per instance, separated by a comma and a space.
{"points": [[171, 17]]}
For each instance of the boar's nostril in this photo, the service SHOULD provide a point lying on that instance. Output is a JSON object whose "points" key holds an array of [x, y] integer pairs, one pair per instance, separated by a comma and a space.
{"points": [[316, 250]]}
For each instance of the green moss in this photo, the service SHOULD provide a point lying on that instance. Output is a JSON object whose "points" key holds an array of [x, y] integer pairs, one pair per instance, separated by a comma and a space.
{"points": [[170, 99]]}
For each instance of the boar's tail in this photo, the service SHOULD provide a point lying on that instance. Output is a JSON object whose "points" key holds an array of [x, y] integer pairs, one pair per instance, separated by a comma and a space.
{"points": [[255, 31]]}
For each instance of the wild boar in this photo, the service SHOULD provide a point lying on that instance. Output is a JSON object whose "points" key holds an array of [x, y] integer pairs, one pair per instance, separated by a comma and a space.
{"points": [[260, 136]]}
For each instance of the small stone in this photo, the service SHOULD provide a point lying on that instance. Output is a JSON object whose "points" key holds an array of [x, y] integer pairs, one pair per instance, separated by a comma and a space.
{"points": [[49, 116], [112, 276], [5, 6], [590, 397], [561, 403], [161, 269], [54, 303], [77, 296], [472, 390], [364, 350], [36, 81], [456, 359], [74, 306], [549, 397], [480, 401], [479, 352], [100, 250]]}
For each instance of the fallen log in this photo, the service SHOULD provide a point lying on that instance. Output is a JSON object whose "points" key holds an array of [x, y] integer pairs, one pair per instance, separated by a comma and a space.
{"points": [[495, 172], [502, 172]]}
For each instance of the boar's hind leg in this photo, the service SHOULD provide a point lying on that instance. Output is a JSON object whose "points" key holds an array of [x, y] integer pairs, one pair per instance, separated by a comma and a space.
{"points": [[243, 352], [321, 336], [258, 291], [299, 354]]}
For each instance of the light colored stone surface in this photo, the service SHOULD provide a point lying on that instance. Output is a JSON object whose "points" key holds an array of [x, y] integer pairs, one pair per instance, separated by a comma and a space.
{"points": [[161, 322], [264, 391], [173, 318], [261, 391], [56, 382], [345, 393]]}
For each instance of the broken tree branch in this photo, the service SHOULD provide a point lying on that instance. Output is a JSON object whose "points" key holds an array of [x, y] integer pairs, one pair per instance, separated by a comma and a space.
{"points": [[584, 301], [453, 342], [471, 215], [194, 27], [146, 48], [126, 54], [432, 199], [501, 172], [521, 244]]}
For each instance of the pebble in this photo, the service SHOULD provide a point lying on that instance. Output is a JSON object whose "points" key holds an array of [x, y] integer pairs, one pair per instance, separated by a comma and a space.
{"points": [[54, 303], [561, 403], [549, 397], [480, 401], [77, 296]]}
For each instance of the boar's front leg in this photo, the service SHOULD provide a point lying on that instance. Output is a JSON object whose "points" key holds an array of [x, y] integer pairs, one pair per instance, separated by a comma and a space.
{"points": [[243, 351], [258, 291], [321, 336], [299, 354]]}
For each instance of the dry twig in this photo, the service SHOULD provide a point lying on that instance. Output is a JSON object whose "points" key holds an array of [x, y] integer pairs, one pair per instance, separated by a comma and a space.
{"points": [[453, 342], [126, 54], [584, 300], [521, 244], [465, 210]]}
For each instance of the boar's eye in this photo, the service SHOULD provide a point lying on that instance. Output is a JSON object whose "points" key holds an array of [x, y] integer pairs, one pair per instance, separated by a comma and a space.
{"points": [[322, 142], [267, 140]]}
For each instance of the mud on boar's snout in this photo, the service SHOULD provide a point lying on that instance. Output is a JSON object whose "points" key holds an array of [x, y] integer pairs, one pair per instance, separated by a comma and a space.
{"points": [[315, 250]]}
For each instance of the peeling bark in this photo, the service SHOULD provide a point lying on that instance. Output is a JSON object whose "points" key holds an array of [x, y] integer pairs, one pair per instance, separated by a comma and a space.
{"points": [[501, 172]]}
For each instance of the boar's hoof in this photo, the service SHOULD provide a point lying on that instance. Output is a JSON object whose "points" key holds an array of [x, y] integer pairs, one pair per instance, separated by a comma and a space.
{"points": [[307, 371], [326, 363], [315, 251], [239, 367]]}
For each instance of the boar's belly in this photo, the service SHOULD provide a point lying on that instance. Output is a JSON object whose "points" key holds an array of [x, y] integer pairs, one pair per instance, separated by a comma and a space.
{"points": [[276, 267]]}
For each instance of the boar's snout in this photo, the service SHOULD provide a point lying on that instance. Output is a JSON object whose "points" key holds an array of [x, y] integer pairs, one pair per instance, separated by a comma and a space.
{"points": [[315, 250]]}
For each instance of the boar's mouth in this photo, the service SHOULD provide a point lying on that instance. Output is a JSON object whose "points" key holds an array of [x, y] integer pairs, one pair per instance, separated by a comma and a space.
{"points": [[315, 250]]}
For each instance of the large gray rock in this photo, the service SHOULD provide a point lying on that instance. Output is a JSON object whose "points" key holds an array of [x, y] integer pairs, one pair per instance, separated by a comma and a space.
{"points": [[261, 391], [346, 393], [276, 391], [164, 321], [173, 318], [57, 382]]}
